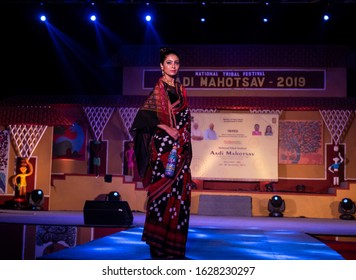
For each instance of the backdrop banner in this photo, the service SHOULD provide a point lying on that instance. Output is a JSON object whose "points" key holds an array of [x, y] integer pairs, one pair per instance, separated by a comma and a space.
{"points": [[235, 146]]}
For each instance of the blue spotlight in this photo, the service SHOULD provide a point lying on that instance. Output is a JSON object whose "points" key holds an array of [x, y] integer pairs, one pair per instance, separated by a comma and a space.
{"points": [[276, 206], [202, 19], [113, 196], [347, 209], [93, 17], [265, 19], [326, 17], [36, 200], [148, 18], [43, 18]]}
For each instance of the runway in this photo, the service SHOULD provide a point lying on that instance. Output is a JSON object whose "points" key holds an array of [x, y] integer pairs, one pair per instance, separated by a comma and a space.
{"points": [[210, 238]]}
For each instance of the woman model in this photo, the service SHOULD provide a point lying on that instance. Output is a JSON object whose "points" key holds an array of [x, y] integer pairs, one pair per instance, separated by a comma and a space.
{"points": [[164, 121]]}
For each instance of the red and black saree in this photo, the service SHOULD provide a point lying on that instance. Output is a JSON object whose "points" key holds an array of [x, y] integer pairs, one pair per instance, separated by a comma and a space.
{"points": [[168, 204]]}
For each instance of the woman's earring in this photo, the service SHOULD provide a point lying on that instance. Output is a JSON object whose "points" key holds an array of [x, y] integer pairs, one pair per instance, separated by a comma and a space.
{"points": [[162, 72]]}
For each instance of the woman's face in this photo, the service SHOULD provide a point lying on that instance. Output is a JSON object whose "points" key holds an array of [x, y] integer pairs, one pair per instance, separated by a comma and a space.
{"points": [[171, 65]]}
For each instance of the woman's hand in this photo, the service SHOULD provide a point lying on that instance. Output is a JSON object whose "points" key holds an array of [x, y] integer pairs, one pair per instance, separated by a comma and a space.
{"points": [[173, 132]]}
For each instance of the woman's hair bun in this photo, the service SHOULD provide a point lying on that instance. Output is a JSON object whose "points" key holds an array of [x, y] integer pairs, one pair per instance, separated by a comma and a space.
{"points": [[163, 50]]}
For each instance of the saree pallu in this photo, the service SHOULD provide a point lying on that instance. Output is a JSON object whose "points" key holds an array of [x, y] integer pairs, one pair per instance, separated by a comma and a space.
{"points": [[169, 199]]}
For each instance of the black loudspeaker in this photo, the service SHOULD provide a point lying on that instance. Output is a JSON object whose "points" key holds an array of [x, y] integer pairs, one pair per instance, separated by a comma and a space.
{"points": [[111, 213]]}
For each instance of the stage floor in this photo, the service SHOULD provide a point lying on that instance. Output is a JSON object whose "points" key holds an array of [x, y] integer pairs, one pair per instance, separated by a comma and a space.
{"points": [[207, 244], [210, 237]]}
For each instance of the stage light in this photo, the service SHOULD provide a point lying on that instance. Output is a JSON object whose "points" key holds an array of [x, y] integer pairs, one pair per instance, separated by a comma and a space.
{"points": [[276, 206], [347, 209], [93, 17], [326, 17], [36, 200], [43, 18], [269, 187], [113, 196], [148, 18], [300, 188]]}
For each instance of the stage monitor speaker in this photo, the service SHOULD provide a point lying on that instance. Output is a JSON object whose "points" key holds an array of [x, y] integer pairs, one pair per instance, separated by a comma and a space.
{"points": [[110, 213]]}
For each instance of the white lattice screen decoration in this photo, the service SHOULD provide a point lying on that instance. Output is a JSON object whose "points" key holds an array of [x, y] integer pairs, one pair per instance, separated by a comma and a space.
{"points": [[128, 115], [337, 122], [26, 138], [279, 112], [203, 110], [98, 118]]}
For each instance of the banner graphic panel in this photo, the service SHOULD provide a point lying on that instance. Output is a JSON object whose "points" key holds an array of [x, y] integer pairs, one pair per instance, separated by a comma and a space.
{"points": [[235, 146]]}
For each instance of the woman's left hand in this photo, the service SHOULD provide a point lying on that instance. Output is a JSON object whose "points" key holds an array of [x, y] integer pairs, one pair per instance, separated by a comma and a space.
{"points": [[173, 132]]}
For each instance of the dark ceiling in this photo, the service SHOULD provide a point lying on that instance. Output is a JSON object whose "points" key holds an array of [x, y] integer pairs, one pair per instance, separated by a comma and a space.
{"points": [[39, 58], [291, 22]]}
